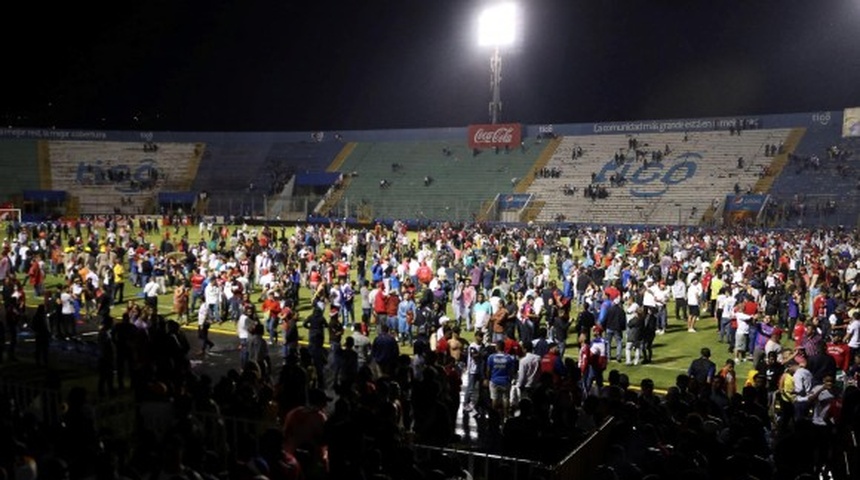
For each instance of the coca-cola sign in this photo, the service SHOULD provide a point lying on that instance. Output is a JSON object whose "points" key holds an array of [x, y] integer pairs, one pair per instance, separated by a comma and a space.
{"points": [[498, 135]]}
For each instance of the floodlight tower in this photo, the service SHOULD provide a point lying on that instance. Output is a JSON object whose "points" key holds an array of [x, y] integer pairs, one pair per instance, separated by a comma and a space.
{"points": [[497, 29]]}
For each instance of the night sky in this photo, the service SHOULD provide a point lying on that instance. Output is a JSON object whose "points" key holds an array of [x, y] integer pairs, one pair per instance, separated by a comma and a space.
{"points": [[261, 65]]}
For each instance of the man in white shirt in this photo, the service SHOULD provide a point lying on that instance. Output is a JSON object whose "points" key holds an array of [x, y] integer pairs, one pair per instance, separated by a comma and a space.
{"points": [[694, 295], [802, 388], [529, 370], [243, 326], [67, 314], [852, 334], [212, 295], [150, 294], [679, 293]]}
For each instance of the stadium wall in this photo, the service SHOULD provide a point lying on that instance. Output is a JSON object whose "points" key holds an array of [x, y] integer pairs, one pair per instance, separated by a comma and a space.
{"points": [[826, 120]]}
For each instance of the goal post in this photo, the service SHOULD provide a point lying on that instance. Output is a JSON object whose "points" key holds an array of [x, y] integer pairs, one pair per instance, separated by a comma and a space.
{"points": [[10, 215]]}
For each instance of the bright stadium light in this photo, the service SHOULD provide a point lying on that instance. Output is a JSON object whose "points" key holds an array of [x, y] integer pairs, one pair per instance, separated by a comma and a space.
{"points": [[497, 25], [497, 28]]}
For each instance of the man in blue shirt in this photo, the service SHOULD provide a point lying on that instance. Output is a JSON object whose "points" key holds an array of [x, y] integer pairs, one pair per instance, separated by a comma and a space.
{"points": [[385, 350], [501, 369]]}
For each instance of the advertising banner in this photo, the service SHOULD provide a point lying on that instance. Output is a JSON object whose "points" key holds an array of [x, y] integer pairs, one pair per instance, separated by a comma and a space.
{"points": [[499, 135], [743, 208]]}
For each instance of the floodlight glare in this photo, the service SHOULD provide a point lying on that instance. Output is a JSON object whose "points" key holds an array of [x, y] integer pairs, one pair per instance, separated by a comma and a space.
{"points": [[497, 25]]}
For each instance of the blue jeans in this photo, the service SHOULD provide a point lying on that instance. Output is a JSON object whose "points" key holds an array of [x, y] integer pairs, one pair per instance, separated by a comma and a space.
{"points": [[725, 330], [272, 327], [813, 292], [244, 354], [592, 376], [195, 296], [405, 330], [472, 385], [381, 319], [347, 314], [662, 319], [619, 336], [466, 313]]}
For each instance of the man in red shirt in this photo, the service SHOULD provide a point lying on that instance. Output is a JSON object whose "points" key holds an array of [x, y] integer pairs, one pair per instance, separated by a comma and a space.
{"points": [[553, 364], [197, 280], [840, 351], [343, 270], [749, 306], [271, 310]]}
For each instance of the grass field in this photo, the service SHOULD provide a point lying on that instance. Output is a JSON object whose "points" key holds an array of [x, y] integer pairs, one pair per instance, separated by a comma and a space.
{"points": [[673, 351]]}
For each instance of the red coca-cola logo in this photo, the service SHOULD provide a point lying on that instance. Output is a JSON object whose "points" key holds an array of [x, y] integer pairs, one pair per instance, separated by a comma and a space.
{"points": [[482, 136], [499, 135]]}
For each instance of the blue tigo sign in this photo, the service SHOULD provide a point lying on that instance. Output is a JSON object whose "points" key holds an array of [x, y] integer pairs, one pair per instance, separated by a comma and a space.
{"points": [[124, 178], [655, 180]]}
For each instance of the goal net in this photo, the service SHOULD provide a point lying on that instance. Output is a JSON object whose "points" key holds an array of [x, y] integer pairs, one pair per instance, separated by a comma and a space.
{"points": [[10, 215]]}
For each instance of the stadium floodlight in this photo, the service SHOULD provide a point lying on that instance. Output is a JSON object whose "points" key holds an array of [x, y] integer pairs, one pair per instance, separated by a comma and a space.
{"points": [[497, 28]]}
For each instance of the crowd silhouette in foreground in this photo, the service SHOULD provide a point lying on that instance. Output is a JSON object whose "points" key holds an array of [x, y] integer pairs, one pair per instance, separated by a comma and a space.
{"points": [[347, 306]]}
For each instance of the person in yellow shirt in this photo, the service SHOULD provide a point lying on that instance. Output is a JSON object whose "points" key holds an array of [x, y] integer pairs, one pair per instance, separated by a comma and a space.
{"points": [[118, 282], [717, 284]]}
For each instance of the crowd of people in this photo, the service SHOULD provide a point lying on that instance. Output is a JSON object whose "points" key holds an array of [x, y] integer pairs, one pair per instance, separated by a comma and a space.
{"points": [[390, 337]]}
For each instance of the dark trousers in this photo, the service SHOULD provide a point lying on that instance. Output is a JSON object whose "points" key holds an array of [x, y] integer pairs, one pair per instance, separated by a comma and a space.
{"points": [[203, 335], [12, 334], [2, 340], [681, 309], [123, 366], [118, 293], [106, 367], [41, 353]]}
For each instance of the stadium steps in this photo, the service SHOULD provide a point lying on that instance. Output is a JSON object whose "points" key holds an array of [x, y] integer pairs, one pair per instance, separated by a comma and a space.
{"points": [[532, 211], [485, 208], [194, 165], [780, 161], [542, 161], [44, 160], [341, 157], [73, 206], [335, 195]]}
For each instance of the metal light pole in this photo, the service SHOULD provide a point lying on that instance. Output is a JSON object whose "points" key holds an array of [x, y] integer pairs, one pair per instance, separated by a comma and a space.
{"points": [[495, 81], [497, 29]]}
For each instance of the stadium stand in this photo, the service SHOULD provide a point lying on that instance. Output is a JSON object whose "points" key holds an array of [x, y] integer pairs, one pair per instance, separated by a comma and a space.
{"points": [[238, 175], [819, 184], [105, 176], [695, 174], [20, 166], [460, 181]]}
